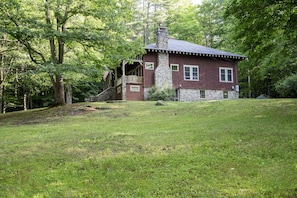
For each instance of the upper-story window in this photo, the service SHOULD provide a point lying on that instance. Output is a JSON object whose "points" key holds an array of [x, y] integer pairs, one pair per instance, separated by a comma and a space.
{"points": [[191, 72], [174, 67], [226, 74], [149, 65]]}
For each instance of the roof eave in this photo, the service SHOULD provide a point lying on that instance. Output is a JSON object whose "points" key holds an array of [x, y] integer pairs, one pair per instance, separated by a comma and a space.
{"points": [[198, 54]]}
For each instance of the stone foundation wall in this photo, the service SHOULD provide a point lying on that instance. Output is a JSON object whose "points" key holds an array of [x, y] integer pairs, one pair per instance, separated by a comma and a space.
{"points": [[194, 95], [188, 95], [233, 94], [146, 93]]}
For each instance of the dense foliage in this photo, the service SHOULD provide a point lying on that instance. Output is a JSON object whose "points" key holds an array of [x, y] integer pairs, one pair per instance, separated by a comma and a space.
{"points": [[63, 38], [287, 87], [266, 33], [166, 94]]}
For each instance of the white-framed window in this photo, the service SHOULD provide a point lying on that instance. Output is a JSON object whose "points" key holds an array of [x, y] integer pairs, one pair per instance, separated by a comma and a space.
{"points": [[174, 67], [226, 74], [134, 88], [149, 65], [191, 72]]}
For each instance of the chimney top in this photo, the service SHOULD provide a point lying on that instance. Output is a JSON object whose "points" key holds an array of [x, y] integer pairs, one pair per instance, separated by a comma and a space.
{"points": [[162, 38]]}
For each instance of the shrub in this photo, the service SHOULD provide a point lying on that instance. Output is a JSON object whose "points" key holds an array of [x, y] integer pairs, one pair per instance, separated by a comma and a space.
{"points": [[165, 94], [287, 87]]}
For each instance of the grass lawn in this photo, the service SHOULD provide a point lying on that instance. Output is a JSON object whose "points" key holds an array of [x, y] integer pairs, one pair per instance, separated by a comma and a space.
{"points": [[228, 148]]}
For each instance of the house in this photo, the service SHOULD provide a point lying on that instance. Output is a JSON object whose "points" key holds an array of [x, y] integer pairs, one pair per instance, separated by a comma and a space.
{"points": [[196, 72]]}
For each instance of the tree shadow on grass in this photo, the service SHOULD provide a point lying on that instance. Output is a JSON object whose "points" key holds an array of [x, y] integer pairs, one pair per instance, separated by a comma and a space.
{"points": [[46, 115]]}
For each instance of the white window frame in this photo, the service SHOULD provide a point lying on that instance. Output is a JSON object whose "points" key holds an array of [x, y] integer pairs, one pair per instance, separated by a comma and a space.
{"points": [[191, 72], [149, 65], [226, 69], [134, 88], [177, 67]]}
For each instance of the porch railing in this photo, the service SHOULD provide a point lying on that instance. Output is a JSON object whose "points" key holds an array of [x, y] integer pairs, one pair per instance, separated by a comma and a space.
{"points": [[133, 79], [138, 58]]}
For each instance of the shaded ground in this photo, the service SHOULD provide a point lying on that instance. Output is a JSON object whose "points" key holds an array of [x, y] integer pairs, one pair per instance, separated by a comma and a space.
{"points": [[46, 115]]}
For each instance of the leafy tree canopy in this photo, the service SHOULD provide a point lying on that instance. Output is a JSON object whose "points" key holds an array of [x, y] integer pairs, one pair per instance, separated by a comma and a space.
{"points": [[266, 31], [62, 35]]}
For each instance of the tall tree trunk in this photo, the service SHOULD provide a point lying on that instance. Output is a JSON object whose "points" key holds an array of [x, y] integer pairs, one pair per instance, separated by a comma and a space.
{"points": [[25, 101], [30, 102], [1, 96], [147, 26], [1, 84], [58, 85], [57, 80], [2, 76], [68, 94]]}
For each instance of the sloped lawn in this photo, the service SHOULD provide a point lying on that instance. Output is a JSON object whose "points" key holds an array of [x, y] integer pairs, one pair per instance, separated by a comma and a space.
{"points": [[230, 148]]}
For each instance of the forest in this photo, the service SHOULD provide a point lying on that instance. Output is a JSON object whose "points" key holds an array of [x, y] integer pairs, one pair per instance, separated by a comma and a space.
{"points": [[54, 52]]}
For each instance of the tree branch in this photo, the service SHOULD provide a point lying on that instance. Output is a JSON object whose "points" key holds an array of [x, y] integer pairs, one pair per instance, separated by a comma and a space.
{"points": [[32, 51], [51, 40]]}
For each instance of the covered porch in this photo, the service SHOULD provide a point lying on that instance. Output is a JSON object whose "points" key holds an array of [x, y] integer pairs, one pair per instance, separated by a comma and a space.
{"points": [[129, 80]]}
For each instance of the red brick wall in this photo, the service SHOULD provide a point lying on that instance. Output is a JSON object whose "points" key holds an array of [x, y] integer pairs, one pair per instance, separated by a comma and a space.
{"points": [[134, 95], [208, 72], [149, 75], [119, 95]]}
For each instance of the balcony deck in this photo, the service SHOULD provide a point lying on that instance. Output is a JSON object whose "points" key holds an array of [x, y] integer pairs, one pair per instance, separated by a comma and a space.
{"points": [[130, 79]]}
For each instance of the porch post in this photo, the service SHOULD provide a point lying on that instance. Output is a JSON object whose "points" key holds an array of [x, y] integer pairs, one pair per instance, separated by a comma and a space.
{"points": [[124, 88]]}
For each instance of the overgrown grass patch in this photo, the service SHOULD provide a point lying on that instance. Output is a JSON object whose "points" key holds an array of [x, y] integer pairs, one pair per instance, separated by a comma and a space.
{"points": [[230, 148]]}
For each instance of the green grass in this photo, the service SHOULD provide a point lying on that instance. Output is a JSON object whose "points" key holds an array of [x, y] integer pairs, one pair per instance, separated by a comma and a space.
{"points": [[230, 148]]}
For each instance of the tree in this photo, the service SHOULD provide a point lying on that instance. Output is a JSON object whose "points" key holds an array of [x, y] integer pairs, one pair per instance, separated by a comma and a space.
{"points": [[63, 35], [266, 31], [184, 24], [210, 17], [9, 61], [287, 87], [150, 15], [20, 80], [203, 24]]}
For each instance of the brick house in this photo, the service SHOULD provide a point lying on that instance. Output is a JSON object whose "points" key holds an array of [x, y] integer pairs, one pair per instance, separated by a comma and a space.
{"points": [[196, 72]]}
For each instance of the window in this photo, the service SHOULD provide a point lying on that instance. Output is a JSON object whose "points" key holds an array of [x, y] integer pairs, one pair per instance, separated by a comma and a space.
{"points": [[191, 72], [149, 66], [134, 88], [202, 93], [225, 93], [226, 74], [174, 67]]}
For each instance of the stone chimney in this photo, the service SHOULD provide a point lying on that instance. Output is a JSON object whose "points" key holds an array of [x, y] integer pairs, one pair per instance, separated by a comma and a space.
{"points": [[162, 38], [163, 73]]}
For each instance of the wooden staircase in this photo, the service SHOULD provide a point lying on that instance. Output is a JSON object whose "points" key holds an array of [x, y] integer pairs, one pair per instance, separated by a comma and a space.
{"points": [[107, 94]]}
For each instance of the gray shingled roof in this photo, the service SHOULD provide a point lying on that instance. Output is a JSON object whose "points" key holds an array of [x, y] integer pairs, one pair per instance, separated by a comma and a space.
{"points": [[184, 47]]}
